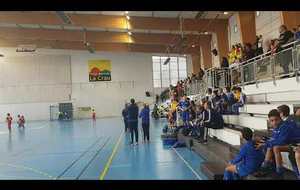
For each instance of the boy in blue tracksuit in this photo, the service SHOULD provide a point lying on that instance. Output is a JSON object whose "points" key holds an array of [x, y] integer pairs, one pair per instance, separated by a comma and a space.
{"points": [[184, 106], [230, 99], [240, 102], [282, 135], [144, 114], [247, 161]]}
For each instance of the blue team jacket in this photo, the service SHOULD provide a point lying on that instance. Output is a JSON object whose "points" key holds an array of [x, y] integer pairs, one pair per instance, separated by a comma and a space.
{"points": [[132, 113], [183, 104], [125, 114], [144, 114], [287, 132], [249, 159], [230, 98]]}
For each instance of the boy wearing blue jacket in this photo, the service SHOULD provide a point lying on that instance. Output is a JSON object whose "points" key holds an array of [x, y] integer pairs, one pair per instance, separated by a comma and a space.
{"points": [[247, 161], [184, 106], [292, 139], [145, 115], [281, 136]]}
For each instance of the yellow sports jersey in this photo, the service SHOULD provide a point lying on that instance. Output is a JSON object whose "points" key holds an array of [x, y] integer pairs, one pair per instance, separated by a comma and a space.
{"points": [[231, 57], [237, 95], [174, 105]]}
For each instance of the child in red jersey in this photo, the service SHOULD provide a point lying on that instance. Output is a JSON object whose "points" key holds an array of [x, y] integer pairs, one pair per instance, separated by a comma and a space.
{"points": [[9, 121], [22, 121], [19, 122], [93, 114]]}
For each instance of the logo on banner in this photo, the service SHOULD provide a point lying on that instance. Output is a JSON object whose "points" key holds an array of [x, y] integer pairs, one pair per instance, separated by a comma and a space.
{"points": [[99, 70]]}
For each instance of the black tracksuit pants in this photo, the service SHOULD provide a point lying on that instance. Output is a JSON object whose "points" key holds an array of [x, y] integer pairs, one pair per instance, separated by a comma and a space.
{"points": [[146, 131]]}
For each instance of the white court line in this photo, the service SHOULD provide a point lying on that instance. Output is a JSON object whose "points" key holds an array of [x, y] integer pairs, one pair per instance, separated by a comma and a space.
{"points": [[28, 129], [29, 169], [187, 164]]}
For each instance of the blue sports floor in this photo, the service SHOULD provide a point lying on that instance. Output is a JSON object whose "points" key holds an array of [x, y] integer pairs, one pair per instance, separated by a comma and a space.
{"points": [[82, 149]]}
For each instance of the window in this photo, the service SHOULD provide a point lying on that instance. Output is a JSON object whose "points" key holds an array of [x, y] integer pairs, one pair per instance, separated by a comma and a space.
{"points": [[169, 74], [235, 29]]}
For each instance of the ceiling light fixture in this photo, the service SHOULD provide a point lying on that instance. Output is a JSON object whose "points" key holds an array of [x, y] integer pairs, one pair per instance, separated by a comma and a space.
{"points": [[225, 13], [193, 46], [126, 12], [128, 17], [205, 32]]}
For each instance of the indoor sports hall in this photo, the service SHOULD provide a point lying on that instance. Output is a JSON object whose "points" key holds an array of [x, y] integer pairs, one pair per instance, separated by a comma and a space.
{"points": [[149, 95]]}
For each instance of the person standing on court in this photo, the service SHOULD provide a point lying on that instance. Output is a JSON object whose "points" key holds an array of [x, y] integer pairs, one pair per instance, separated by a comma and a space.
{"points": [[125, 117], [144, 114], [133, 113]]}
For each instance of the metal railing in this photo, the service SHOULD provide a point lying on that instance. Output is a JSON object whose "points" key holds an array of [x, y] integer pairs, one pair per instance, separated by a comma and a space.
{"points": [[261, 68], [264, 67]]}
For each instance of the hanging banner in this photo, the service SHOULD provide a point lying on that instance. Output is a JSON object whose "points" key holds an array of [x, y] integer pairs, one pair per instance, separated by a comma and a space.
{"points": [[99, 70]]}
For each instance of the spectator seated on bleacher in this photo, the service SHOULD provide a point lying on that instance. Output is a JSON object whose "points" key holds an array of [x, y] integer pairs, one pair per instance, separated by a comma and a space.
{"points": [[283, 134], [209, 95], [183, 107], [230, 99], [247, 161], [211, 119], [296, 116], [216, 101], [240, 97], [223, 101], [293, 137]]}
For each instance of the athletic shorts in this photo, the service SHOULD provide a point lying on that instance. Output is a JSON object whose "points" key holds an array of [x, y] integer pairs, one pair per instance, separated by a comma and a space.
{"points": [[185, 116], [174, 115], [241, 170]]}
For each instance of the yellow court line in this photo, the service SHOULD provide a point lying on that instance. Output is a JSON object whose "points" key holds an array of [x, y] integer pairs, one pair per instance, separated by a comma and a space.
{"points": [[28, 168], [107, 165]]}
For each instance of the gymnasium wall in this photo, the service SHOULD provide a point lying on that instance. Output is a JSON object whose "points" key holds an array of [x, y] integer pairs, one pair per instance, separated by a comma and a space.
{"points": [[131, 77], [214, 44], [234, 36], [31, 82], [267, 25]]}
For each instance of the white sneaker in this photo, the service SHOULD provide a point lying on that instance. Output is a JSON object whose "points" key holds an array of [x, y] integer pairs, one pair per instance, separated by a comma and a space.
{"points": [[136, 143]]}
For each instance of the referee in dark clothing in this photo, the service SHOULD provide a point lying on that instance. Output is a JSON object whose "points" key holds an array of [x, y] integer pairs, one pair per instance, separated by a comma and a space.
{"points": [[133, 113]]}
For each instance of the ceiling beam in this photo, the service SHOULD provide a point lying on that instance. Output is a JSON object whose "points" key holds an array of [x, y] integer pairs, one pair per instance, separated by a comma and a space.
{"points": [[112, 22], [97, 37], [111, 47]]}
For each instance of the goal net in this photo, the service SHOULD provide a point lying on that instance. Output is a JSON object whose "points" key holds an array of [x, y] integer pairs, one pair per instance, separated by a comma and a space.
{"points": [[75, 113]]}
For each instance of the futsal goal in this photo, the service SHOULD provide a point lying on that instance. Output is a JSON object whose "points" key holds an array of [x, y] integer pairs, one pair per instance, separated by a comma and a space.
{"points": [[58, 112]]}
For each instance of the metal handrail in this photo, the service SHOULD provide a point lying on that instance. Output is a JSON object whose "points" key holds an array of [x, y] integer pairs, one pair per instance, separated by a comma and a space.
{"points": [[266, 56]]}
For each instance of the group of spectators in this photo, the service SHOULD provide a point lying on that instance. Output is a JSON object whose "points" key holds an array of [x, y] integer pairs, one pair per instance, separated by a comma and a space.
{"points": [[197, 117], [258, 155], [181, 87], [239, 53]]}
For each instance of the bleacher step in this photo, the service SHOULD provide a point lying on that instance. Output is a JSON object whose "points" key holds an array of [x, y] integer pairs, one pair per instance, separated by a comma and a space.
{"points": [[213, 170]]}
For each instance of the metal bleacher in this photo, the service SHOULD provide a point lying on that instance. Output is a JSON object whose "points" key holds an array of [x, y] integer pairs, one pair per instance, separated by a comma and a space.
{"points": [[265, 91]]}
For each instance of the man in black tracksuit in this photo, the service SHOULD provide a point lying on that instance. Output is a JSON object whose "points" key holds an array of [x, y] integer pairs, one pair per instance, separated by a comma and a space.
{"points": [[133, 113]]}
